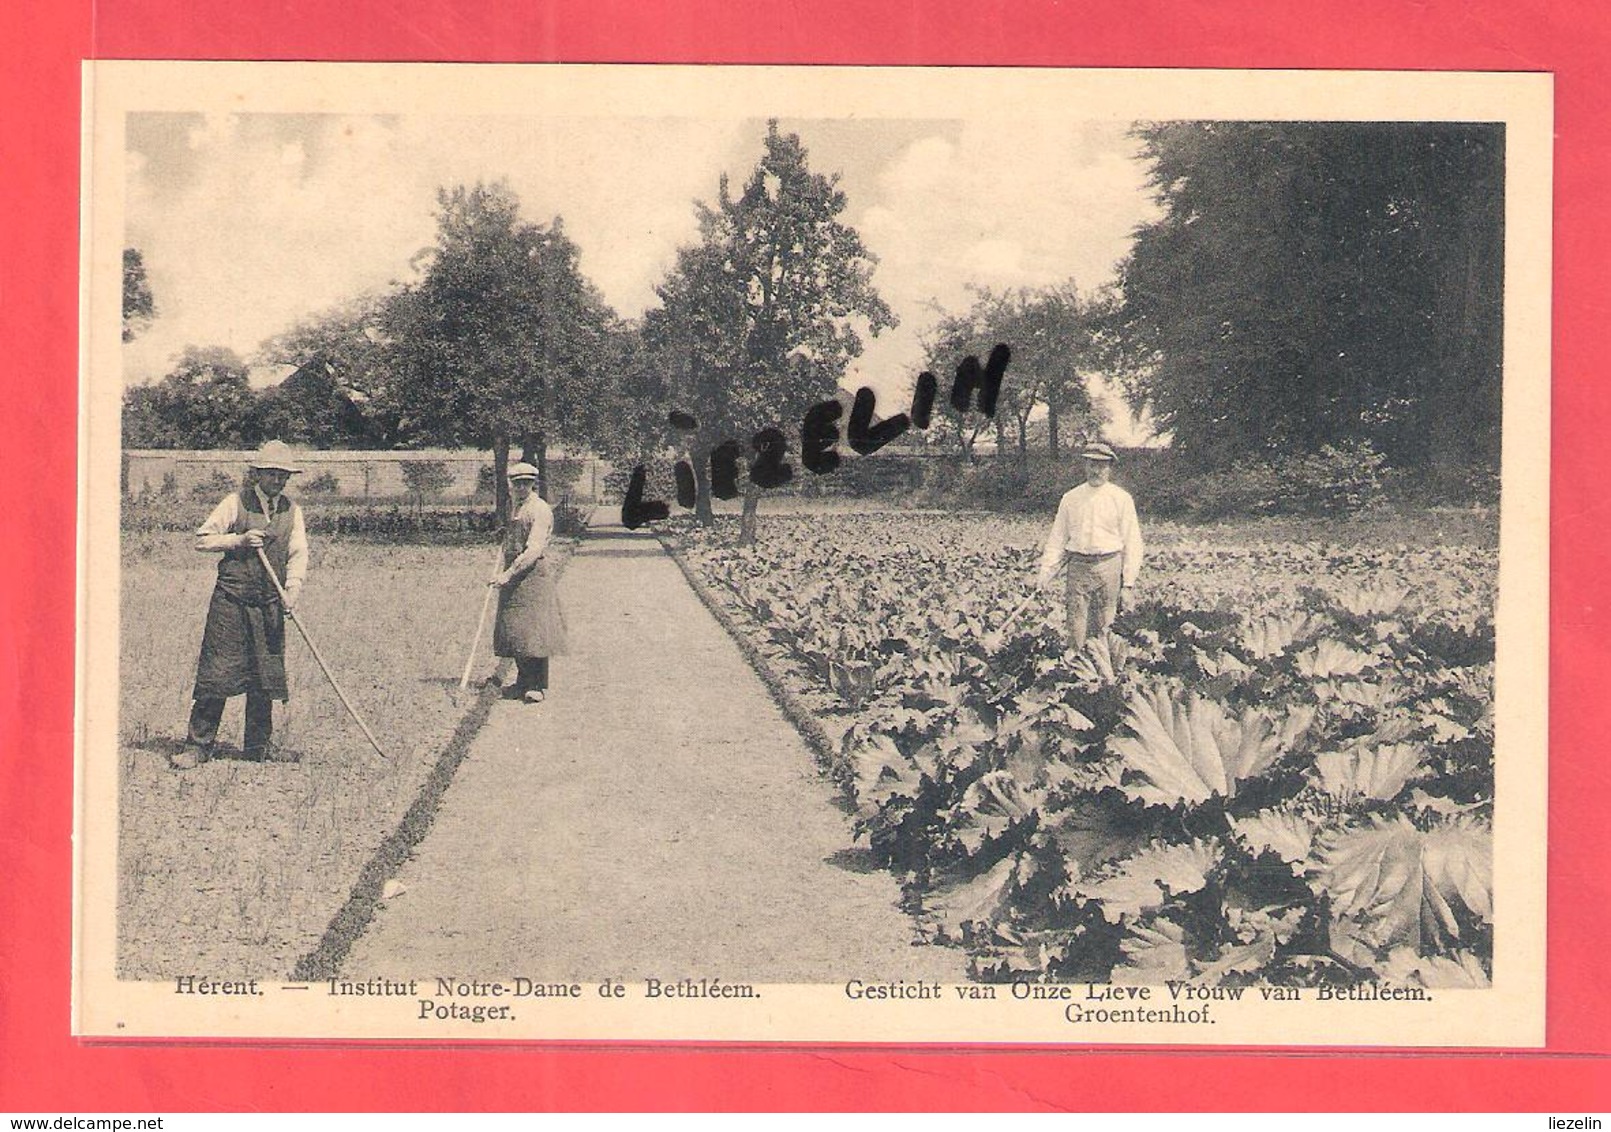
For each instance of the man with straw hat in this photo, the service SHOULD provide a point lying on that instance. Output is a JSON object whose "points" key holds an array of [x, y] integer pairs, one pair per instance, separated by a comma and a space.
{"points": [[243, 646], [530, 627], [1096, 533]]}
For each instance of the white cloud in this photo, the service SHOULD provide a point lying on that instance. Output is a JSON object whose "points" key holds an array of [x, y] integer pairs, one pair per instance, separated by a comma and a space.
{"points": [[1021, 203], [997, 262], [921, 167], [1028, 202], [213, 131]]}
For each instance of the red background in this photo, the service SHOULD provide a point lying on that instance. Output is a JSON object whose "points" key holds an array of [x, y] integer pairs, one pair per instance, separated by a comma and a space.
{"points": [[43, 1070]]}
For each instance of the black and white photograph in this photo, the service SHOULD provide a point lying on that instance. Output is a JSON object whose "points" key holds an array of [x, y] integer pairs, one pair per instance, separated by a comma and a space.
{"points": [[724, 553]]}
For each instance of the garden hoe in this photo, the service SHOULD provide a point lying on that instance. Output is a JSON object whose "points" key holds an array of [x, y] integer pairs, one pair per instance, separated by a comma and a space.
{"points": [[297, 621]]}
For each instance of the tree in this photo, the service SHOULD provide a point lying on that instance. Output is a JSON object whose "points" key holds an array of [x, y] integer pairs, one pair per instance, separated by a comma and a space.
{"points": [[1053, 333], [425, 478], [625, 418], [204, 402], [1316, 283], [952, 338], [139, 308], [760, 320], [1060, 342], [500, 341], [341, 392], [310, 407]]}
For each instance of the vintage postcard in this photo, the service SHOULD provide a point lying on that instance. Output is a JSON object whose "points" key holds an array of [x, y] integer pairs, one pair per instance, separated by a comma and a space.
{"points": [[743, 554]]}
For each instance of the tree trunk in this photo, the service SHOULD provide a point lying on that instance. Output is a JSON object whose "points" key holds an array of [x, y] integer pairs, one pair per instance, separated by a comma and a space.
{"points": [[1023, 443], [752, 505], [534, 451], [1454, 405], [500, 475], [704, 515], [1051, 430]]}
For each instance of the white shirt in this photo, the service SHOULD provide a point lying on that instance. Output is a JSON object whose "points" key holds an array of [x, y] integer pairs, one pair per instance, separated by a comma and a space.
{"points": [[215, 534], [536, 509], [1094, 520]]}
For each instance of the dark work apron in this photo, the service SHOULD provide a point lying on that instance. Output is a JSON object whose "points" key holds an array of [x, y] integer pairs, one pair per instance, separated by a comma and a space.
{"points": [[530, 623], [243, 647]]}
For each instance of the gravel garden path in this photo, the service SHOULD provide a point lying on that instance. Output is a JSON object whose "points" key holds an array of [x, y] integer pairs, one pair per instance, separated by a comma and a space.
{"points": [[656, 816]]}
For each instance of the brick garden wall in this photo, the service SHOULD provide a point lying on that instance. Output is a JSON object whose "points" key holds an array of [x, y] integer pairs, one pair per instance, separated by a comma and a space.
{"points": [[357, 475]]}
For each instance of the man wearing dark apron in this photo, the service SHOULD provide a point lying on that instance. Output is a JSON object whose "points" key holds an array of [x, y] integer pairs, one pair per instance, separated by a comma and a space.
{"points": [[243, 646]]}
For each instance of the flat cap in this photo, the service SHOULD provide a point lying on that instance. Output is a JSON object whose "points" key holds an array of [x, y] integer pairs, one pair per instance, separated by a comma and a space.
{"points": [[1096, 450], [522, 471]]}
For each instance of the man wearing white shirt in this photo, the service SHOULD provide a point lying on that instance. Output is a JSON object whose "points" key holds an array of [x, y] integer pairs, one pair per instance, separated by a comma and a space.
{"points": [[1096, 533], [243, 646]]}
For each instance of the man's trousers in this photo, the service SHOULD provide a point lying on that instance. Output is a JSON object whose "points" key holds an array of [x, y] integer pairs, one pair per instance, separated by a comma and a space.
{"points": [[208, 710], [1093, 585]]}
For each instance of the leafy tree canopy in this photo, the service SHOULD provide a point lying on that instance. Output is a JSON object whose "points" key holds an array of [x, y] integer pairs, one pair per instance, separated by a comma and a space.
{"points": [[503, 339], [1053, 332], [341, 393], [503, 335], [760, 319], [139, 307], [1320, 283], [205, 401]]}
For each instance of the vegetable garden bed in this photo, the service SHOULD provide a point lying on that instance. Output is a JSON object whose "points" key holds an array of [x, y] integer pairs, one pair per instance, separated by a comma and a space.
{"points": [[1280, 772]]}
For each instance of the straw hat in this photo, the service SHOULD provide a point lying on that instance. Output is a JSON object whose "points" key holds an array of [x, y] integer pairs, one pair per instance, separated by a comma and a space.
{"points": [[274, 456]]}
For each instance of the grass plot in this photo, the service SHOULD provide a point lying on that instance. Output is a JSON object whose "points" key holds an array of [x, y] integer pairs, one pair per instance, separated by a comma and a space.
{"points": [[236, 868]]}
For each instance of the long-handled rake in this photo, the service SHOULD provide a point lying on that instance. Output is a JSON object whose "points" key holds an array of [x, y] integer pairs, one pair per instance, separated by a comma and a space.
{"points": [[285, 603], [997, 637], [481, 622]]}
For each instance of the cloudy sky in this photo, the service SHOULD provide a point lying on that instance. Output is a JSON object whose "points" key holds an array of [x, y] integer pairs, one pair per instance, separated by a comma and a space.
{"points": [[249, 223]]}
